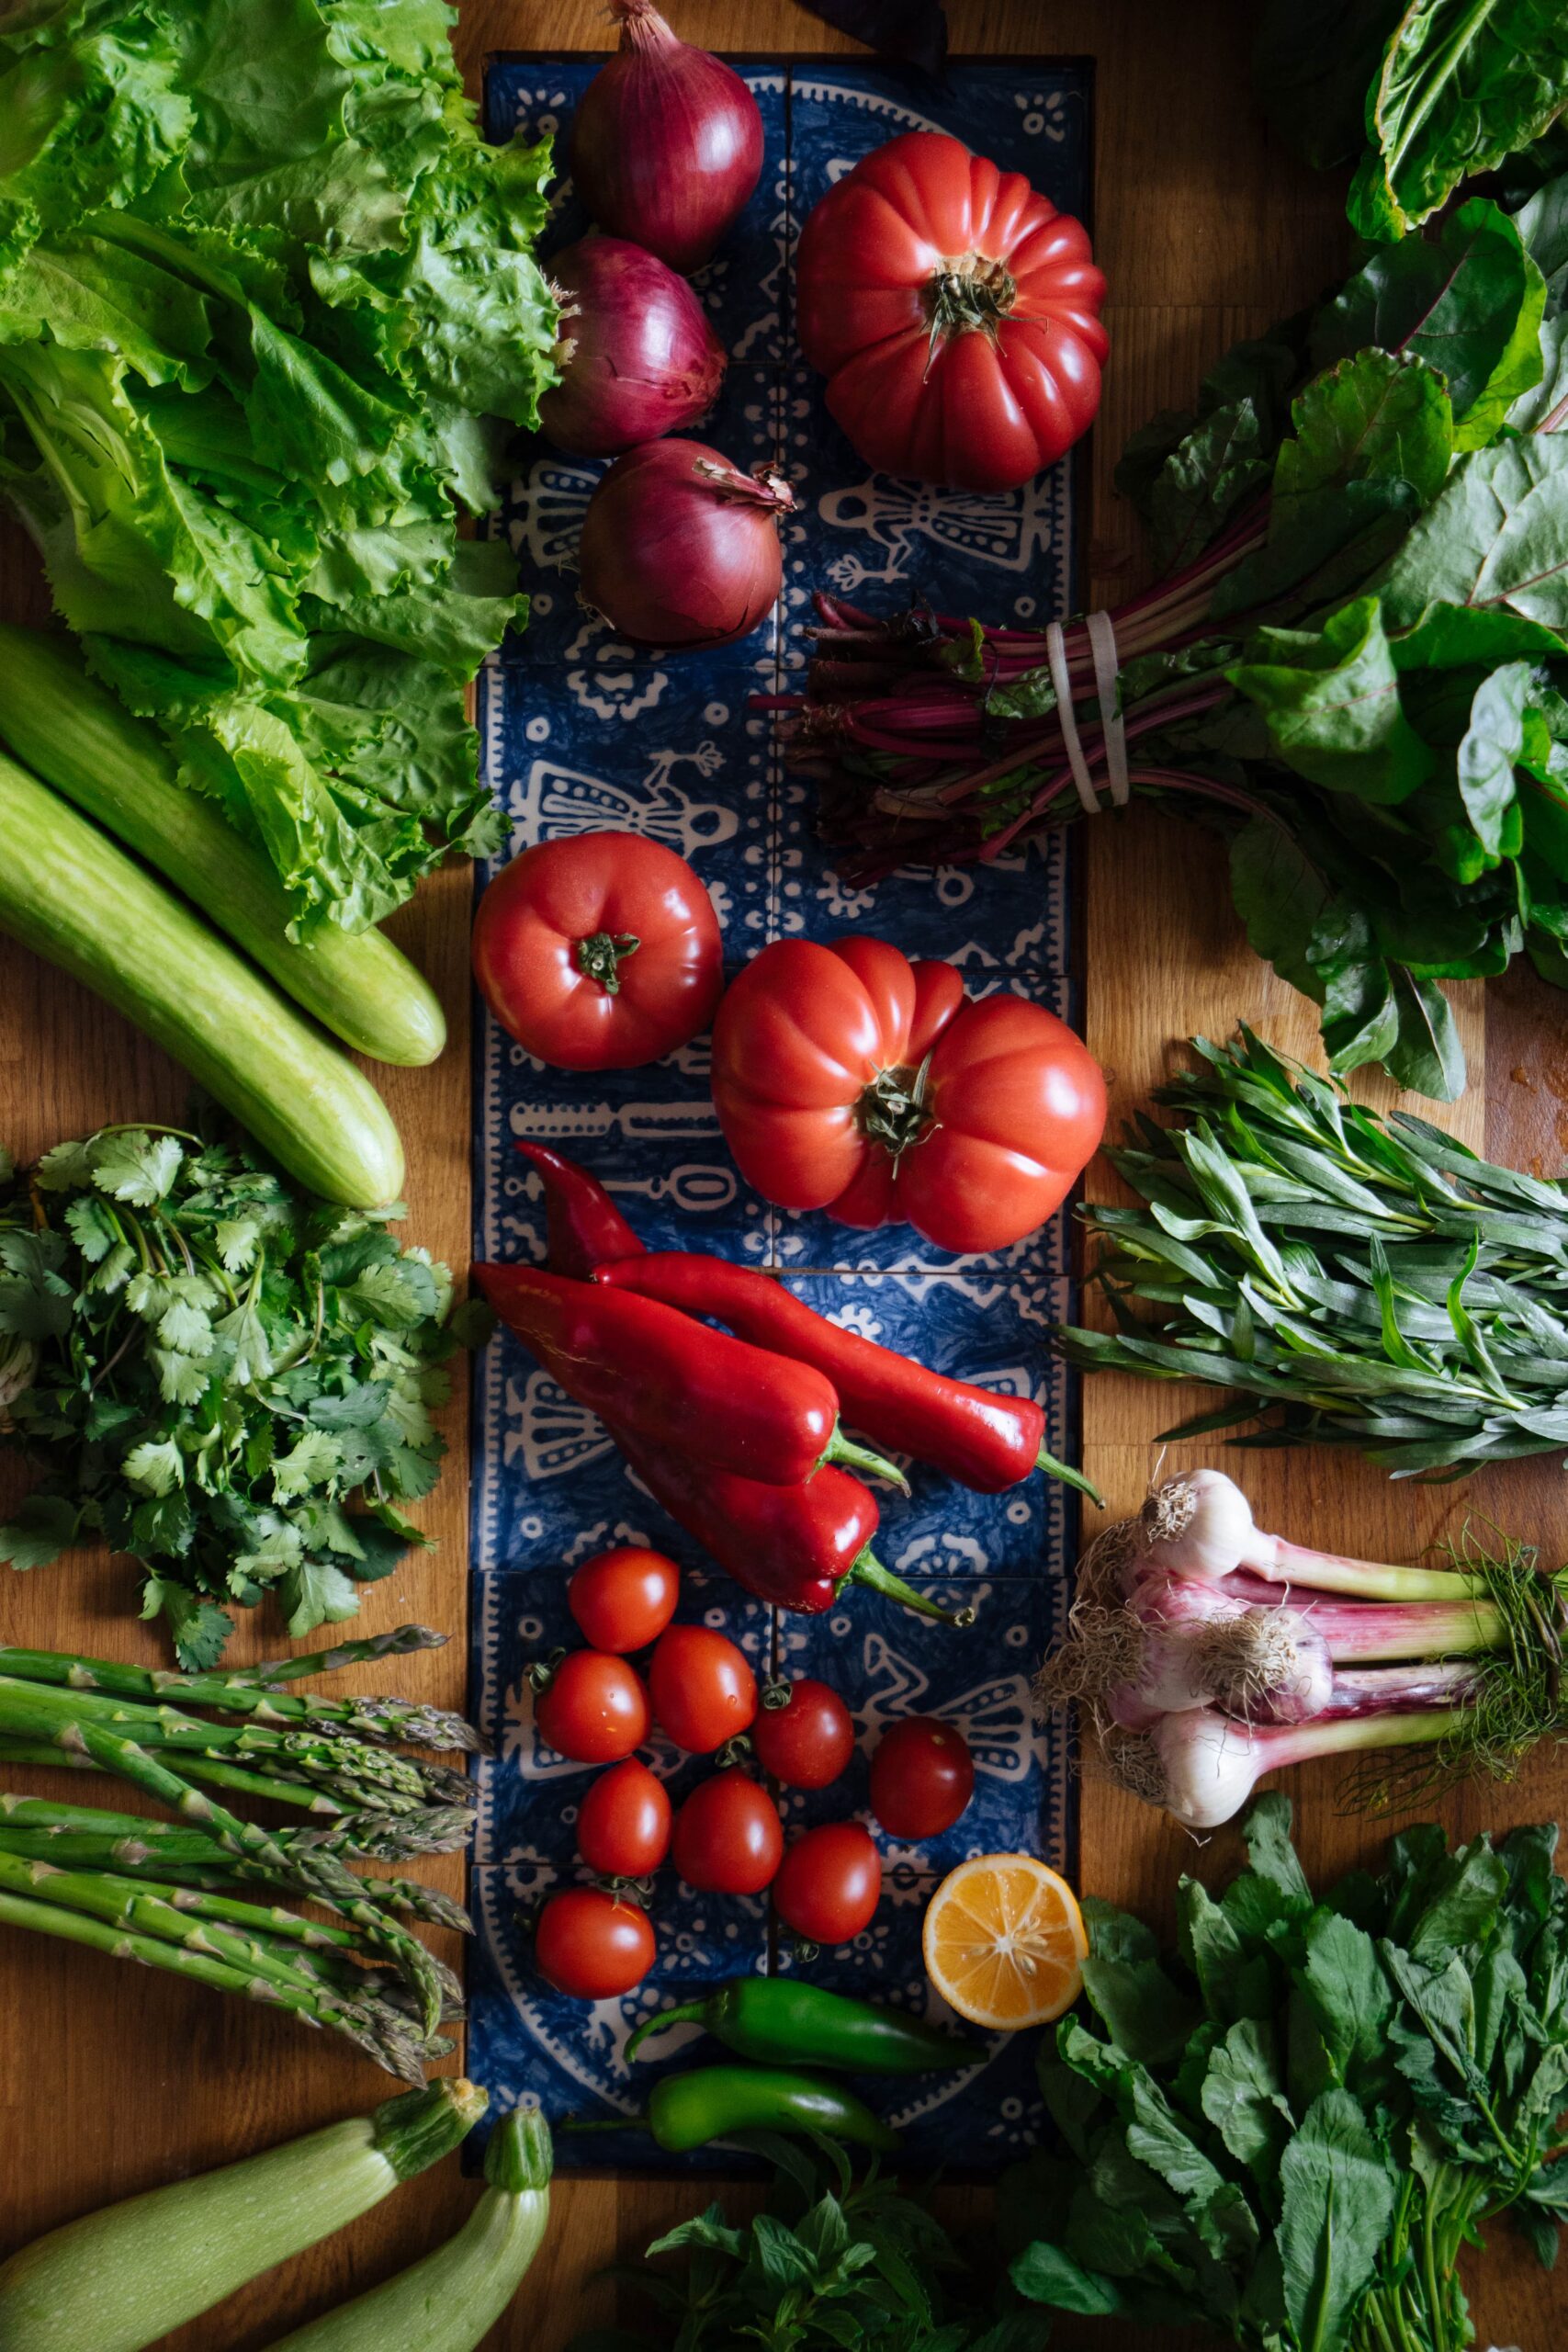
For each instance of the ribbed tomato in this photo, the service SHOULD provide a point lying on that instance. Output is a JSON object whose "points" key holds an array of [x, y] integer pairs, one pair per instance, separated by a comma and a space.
{"points": [[848, 1079], [955, 313]]}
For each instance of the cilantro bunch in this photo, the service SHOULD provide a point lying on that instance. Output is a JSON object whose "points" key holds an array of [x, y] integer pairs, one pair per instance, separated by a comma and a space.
{"points": [[830, 2265], [1291, 2127], [224, 1377]]}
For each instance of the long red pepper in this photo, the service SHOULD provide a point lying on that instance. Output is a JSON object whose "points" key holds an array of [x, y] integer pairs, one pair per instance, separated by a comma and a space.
{"points": [[584, 1227], [985, 1442], [795, 1547], [677, 1382]]}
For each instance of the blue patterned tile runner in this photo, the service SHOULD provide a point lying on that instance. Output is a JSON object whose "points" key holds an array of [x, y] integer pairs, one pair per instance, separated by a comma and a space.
{"points": [[582, 732]]}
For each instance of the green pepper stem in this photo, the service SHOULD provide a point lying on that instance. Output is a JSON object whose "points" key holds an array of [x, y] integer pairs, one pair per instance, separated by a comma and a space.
{"points": [[1069, 1478], [869, 1570], [689, 2013], [850, 1457]]}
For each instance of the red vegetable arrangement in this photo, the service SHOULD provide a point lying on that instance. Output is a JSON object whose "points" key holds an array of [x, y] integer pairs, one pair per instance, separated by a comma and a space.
{"points": [[848, 1079], [733, 1437], [728, 1837], [955, 313]]}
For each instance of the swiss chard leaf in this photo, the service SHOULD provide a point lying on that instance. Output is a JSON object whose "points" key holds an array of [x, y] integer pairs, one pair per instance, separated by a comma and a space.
{"points": [[1461, 87], [1331, 700], [1468, 301]]}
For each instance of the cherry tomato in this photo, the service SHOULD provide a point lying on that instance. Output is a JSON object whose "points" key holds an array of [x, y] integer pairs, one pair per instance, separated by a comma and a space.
{"points": [[955, 313], [729, 1837], [596, 1709], [623, 1823], [599, 951], [830, 1883], [848, 1079], [921, 1778], [808, 1741], [623, 1600], [592, 1944], [704, 1692]]}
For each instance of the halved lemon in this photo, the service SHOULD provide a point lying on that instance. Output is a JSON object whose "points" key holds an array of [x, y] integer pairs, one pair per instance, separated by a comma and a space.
{"points": [[1004, 1941]]}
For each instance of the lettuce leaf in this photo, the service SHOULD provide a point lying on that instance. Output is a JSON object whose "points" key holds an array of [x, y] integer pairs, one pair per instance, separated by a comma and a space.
{"points": [[268, 306]]}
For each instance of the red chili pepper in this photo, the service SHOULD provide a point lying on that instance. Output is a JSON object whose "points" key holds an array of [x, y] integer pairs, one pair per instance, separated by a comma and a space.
{"points": [[795, 1546], [983, 1441], [585, 1228], [677, 1382]]}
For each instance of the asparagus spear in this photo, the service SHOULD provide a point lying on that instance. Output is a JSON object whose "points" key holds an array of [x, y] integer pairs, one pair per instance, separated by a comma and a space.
{"points": [[318, 1755], [374, 1717], [396, 1643], [132, 1835], [203, 1968], [269, 1787]]}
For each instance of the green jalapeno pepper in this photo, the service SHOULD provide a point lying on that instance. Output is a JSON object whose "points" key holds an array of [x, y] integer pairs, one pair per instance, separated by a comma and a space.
{"points": [[712, 2102], [778, 2020]]}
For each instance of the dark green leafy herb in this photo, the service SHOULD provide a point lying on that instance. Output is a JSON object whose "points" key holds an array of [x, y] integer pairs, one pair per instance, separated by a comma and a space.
{"points": [[1290, 2127], [217, 1367], [1357, 1281], [830, 2266]]}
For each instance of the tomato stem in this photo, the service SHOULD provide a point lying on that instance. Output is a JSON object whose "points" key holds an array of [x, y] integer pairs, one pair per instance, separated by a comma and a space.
{"points": [[892, 1110], [600, 956], [972, 293]]}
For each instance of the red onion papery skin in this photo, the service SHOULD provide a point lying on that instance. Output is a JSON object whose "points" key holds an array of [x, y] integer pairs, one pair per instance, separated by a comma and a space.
{"points": [[680, 549], [641, 357], [667, 146]]}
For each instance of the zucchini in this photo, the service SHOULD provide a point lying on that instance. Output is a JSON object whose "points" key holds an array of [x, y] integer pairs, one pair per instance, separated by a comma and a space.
{"points": [[119, 2278], [69, 894], [450, 2302], [81, 741]]}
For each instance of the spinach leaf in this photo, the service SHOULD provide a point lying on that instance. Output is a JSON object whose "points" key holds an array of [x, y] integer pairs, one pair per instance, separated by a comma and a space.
{"points": [[1338, 2188]]}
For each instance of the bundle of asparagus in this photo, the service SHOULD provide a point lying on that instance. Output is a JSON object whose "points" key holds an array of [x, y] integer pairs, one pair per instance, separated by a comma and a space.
{"points": [[174, 1898]]}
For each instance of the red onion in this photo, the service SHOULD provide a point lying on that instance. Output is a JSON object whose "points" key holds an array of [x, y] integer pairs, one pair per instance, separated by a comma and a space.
{"points": [[681, 548], [639, 357], [668, 143]]}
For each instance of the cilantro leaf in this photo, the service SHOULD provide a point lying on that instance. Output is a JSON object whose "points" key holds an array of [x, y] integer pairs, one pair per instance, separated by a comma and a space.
{"points": [[136, 1167]]}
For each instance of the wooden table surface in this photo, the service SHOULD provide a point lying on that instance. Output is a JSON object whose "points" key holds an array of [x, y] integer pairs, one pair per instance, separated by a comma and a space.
{"points": [[111, 2080]]}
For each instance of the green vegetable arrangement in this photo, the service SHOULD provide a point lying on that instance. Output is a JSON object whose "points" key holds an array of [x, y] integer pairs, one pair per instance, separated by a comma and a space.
{"points": [[267, 302], [1291, 2127], [1361, 1282], [182, 1899], [122, 2278], [1354, 666], [216, 1368], [831, 2263]]}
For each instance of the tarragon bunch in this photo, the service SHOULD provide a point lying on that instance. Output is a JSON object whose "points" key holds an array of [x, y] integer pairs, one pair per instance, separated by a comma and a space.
{"points": [[226, 1378]]}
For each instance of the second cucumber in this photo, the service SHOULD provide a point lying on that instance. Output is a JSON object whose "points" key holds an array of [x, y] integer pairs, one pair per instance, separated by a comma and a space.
{"points": [[85, 745], [70, 896]]}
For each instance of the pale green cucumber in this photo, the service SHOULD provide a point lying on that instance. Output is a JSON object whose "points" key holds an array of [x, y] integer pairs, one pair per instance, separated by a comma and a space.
{"points": [[121, 2277], [450, 2302], [84, 744], [67, 892]]}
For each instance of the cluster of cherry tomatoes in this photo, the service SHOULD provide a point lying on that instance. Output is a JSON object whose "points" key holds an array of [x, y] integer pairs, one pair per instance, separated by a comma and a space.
{"points": [[728, 1837]]}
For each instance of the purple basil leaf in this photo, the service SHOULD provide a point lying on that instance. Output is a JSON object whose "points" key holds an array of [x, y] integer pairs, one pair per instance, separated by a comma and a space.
{"points": [[912, 32]]}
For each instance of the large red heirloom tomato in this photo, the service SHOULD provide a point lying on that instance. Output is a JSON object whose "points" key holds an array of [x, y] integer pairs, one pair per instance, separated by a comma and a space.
{"points": [[599, 951], [850, 1080], [955, 313]]}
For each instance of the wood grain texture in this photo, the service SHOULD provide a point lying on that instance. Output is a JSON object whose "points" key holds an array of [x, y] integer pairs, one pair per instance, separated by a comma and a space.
{"points": [[111, 2081]]}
